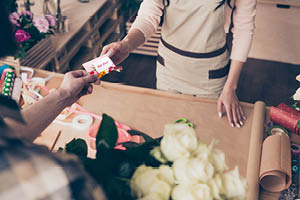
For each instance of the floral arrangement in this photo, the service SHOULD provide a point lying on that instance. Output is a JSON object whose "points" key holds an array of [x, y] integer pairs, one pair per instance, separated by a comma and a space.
{"points": [[296, 96], [176, 166], [29, 30]]}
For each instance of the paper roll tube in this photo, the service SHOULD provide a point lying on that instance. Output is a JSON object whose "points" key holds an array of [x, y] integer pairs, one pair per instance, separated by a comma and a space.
{"points": [[285, 119], [289, 109], [275, 169], [253, 165]]}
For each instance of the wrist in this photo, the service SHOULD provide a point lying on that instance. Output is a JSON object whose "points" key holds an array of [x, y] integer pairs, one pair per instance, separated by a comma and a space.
{"points": [[126, 44], [230, 86], [61, 96]]}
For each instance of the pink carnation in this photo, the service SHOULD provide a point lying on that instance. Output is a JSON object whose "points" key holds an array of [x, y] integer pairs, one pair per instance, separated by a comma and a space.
{"points": [[22, 35], [41, 24], [14, 17], [51, 20]]}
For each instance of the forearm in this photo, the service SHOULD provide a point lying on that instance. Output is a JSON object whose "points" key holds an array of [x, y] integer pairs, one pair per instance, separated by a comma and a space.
{"points": [[134, 39], [234, 74], [38, 116]]}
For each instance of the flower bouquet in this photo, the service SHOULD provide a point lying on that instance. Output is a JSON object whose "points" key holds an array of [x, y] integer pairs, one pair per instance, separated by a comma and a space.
{"points": [[176, 166], [31, 34]]}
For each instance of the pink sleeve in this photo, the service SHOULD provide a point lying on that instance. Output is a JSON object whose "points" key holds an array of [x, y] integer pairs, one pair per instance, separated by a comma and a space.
{"points": [[148, 17], [243, 20]]}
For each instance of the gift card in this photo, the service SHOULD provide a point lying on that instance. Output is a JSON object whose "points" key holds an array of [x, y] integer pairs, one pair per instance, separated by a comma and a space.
{"points": [[102, 65]]}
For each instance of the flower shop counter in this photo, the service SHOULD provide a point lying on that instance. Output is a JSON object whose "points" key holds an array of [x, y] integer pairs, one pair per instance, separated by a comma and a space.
{"points": [[148, 110]]}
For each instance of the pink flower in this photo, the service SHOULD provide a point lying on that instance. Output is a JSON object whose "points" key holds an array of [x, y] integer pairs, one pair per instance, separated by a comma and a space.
{"points": [[41, 24], [14, 17], [26, 13], [51, 20], [22, 35]]}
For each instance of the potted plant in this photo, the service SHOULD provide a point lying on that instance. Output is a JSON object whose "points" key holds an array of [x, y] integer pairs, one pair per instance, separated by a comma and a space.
{"points": [[32, 37]]}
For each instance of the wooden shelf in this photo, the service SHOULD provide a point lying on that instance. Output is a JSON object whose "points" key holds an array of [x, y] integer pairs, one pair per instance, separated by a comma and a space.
{"points": [[89, 26]]}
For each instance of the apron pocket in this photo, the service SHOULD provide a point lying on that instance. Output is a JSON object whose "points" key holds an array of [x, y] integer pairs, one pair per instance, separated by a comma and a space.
{"points": [[219, 73], [161, 60]]}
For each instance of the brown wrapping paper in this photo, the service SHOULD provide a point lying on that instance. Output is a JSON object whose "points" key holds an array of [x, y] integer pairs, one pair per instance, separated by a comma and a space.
{"points": [[275, 168], [257, 129], [149, 110]]}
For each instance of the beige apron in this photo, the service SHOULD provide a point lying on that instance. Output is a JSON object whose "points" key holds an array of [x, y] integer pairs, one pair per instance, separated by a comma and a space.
{"points": [[193, 58]]}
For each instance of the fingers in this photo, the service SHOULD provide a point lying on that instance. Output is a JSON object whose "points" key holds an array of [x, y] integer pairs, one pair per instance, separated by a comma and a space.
{"points": [[77, 73], [111, 49], [235, 115], [220, 112], [229, 115], [87, 89], [242, 113], [105, 50]]}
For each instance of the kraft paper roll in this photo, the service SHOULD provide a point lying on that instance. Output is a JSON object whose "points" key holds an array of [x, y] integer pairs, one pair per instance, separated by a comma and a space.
{"points": [[256, 140], [275, 170]]}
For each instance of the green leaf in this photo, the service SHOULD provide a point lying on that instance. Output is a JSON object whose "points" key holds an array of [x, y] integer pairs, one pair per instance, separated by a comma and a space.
{"points": [[144, 135], [107, 134], [117, 188], [126, 169], [78, 147], [141, 151], [129, 144], [298, 123]]}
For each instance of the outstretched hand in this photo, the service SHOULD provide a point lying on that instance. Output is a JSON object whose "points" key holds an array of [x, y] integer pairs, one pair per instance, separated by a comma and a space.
{"points": [[75, 85], [229, 103], [117, 51]]}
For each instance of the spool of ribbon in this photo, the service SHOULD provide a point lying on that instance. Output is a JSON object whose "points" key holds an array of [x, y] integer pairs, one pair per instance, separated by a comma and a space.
{"points": [[80, 122], [285, 119], [8, 82], [295, 148], [277, 130], [123, 136], [289, 109]]}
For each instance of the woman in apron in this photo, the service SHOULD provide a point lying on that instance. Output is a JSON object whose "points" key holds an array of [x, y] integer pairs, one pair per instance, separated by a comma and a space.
{"points": [[192, 56]]}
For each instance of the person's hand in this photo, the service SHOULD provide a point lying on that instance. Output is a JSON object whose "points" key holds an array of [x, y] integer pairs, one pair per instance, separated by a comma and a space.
{"points": [[234, 111], [117, 51], [75, 85]]}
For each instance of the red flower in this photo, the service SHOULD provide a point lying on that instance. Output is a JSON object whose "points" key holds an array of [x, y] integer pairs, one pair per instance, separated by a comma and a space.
{"points": [[22, 35]]}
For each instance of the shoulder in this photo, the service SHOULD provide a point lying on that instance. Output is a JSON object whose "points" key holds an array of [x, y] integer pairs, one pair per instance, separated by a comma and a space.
{"points": [[45, 174]]}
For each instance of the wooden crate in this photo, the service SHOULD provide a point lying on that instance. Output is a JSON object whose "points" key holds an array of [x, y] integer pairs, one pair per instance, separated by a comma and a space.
{"points": [[36, 57]]}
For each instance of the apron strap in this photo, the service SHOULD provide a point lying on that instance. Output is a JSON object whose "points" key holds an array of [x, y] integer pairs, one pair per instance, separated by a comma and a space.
{"points": [[194, 54]]}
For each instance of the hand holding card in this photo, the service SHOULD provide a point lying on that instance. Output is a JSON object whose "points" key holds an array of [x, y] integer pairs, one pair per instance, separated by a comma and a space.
{"points": [[101, 65]]}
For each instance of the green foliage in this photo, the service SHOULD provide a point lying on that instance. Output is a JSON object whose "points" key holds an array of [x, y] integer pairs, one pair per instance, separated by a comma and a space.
{"points": [[78, 147], [112, 167]]}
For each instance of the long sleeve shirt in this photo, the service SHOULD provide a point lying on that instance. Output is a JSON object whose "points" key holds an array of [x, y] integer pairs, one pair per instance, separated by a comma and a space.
{"points": [[150, 11]]}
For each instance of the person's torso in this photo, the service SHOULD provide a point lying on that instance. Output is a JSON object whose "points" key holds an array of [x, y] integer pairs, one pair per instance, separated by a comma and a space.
{"points": [[194, 25]]}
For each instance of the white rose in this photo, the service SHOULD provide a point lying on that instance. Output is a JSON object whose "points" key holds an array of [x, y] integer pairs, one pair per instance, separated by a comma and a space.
{"points": [[215, 185], [157, 154], [191, 192], [166, 174], [148, 182], [179, 140], [234, 187], [203, 151], [298, 78], [192, 170], [296, 96], [217, 158]]}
